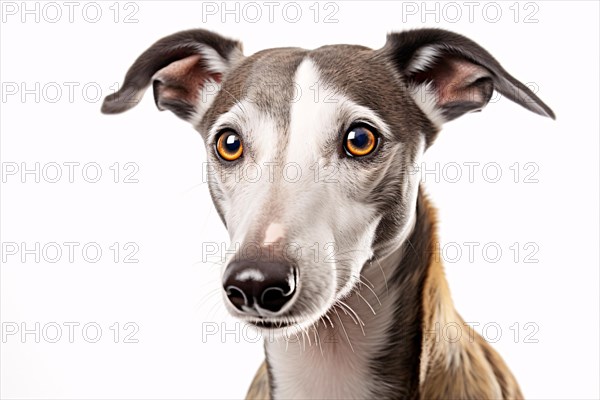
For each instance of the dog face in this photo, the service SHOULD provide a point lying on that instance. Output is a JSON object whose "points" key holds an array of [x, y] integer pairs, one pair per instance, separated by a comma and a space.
{"points": [[310, 152]]}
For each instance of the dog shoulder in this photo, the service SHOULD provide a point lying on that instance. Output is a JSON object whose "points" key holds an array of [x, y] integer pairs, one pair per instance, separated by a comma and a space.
{"points": [[464, 366], [507, 382], [477, 373], [259, 388]]}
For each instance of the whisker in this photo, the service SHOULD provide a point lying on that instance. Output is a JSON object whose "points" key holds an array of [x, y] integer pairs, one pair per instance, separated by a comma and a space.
{"points": [[361, 323], [324, 323], [370, 283], [307, 335], [213, 310], [360, 278], [384, 277], [368, 304], [354, 312], [326, 315], [412, 247], [318, 340], [342, 253], [374, 294], [347, 313], [344, 329], [209, 263], [303, 341], [209, 295]]}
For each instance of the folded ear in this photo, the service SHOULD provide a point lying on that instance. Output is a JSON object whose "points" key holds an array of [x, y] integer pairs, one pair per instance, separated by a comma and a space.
{"points": [[450, 75], [185, 70]]}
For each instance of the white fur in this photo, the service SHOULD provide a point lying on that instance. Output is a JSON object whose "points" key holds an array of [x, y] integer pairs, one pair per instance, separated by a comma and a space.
{"points": [[425, 95], [206, 96], [216, 64], [423, 59], [213, 60], [427, 99]]}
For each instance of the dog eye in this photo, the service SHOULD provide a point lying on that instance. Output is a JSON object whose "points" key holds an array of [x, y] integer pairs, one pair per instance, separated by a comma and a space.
{"points": [[360, 140], [229, 145]]}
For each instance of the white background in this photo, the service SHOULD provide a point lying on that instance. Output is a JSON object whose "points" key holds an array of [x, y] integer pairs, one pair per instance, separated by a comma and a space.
{"points": [[172, 296]]}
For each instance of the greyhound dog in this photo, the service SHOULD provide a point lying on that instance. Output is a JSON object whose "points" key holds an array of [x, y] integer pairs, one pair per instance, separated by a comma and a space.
{"points": [[344, 253]]}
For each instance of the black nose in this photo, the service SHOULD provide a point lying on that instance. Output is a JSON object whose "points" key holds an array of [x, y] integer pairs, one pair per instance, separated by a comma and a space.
{"points": [[255, 285]]}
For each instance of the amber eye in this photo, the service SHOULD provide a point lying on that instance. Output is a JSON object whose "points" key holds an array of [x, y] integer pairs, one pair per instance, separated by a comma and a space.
{"points": [[360, 141], [229, 145]]}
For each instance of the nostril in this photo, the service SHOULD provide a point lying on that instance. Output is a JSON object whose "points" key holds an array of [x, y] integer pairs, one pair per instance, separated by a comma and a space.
{"points": [[237, 297], [273, 299], [279, 291]]}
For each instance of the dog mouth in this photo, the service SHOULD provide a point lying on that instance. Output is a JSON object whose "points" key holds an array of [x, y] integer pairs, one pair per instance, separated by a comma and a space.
{"points": [[276, 323], [271, 323]]}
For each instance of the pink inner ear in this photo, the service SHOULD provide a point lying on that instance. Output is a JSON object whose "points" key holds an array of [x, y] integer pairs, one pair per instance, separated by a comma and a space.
{"points": [[452, 78], [181, 80]]}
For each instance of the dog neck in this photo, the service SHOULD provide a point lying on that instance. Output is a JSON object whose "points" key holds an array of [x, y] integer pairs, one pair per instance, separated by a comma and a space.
{"points": [[370, 344]]}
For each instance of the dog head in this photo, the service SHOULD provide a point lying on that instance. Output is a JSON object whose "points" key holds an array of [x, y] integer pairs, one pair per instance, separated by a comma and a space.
{"points": [[309, 150]]}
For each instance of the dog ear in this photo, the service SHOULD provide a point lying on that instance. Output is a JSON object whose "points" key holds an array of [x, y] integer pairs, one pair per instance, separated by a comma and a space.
{"points": [[185, 70], [449, 75]]}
